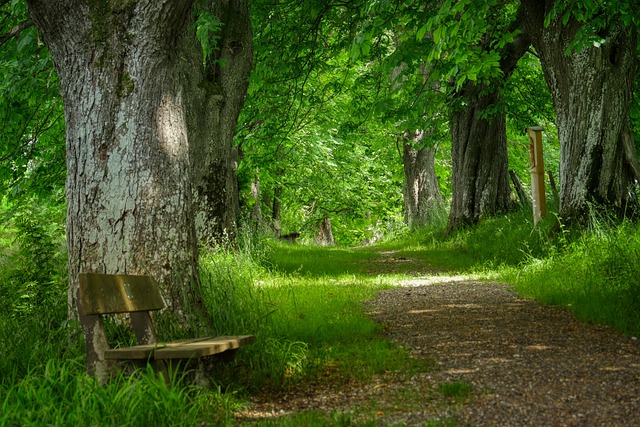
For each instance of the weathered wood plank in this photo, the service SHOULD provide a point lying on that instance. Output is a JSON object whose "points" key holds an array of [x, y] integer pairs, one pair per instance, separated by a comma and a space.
{"points": [[118, 293], [182, 349]]}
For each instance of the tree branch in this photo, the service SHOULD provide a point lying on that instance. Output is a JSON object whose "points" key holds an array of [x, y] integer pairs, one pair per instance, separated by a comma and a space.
{"points": [[15, 31]]}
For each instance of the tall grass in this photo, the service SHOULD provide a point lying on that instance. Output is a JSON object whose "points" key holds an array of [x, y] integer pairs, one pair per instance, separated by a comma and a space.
{"points": [[506, 240], [597, 276], [306, 312], [63, 395]]}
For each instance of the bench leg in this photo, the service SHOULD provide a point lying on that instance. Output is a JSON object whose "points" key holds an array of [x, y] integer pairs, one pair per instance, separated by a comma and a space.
{"points": [[96, 344]]}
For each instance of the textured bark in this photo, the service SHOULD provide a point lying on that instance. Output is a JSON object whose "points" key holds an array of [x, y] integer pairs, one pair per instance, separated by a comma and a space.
{"points": [[480, 174], [325, 234], [591, 90], [525, 202], [421, 190], [256, 215], [129, 198], [217, 93]]}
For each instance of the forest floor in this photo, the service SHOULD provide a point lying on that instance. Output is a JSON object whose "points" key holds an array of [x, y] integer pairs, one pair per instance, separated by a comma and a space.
{"points": [[499, 359]]}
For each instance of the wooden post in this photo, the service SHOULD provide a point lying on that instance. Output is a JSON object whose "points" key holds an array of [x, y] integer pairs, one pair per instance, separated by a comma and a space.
{"points": [[536, 162]]}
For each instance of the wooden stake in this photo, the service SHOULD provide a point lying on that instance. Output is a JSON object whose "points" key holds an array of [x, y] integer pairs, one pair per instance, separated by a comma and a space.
{"points": [[536, 161]]}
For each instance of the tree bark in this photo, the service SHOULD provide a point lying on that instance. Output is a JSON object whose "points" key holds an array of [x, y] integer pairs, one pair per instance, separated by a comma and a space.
{"points": [[591, 90], [217, 92], [421, 190], [129, 197], [276, 213], [525, 202], [256, 215], [325, 234], [480, 174]]}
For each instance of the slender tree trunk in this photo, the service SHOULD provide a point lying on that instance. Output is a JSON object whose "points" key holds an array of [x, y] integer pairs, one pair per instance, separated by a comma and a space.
{"points": [[129, 198], [421, 190], [256, 216], [217, 91], [480, 174], [525, 201], [276, 214], [591, 90], [325, 234]]}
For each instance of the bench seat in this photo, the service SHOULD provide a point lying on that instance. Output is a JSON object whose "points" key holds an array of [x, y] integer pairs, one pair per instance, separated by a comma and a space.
{"points": [[181, 349]]}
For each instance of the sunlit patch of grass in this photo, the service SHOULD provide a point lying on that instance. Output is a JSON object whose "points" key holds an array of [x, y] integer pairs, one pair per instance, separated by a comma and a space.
{"points": [[597, 276], [504, 240], [324, 320], [318, 261], [310, 327]]}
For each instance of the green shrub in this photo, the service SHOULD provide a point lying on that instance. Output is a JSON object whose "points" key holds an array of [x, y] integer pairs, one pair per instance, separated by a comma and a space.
{"points": [[33, 267]]}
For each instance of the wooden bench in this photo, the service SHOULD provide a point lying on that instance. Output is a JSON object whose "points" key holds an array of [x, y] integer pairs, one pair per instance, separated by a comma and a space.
{"points": [[103, 294]]}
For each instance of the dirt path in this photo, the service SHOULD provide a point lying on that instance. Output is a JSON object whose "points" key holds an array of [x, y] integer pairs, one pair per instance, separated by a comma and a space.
{"points": [[526, 364]]}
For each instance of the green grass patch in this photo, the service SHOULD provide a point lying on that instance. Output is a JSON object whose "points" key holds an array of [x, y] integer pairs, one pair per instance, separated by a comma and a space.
{"points": [[458, 391], [316, 329], [318, 261], [597, 276], [306, 306], [63, 395], [505, 240]]}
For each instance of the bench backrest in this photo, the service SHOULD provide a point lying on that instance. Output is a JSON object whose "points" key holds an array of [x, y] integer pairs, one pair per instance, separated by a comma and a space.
{"points": [[118, 293]]}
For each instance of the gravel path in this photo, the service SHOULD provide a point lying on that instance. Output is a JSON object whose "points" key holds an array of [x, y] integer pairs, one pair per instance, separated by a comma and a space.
{"points": [[527, 364]]}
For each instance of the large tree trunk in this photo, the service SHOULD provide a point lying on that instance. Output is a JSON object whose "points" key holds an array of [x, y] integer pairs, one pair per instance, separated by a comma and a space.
{"points": [[421, 190], [591, 90], [480, 174], [216, 95], [129, 198]]}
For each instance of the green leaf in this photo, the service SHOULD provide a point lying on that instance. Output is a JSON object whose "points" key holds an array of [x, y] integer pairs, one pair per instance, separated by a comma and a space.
{"points": [[421, 32], [25, 39], [207, 29], [438, 34]]}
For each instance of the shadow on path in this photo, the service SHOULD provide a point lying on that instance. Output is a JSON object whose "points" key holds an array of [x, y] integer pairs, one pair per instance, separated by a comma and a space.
{"points": [[528, 364]]}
